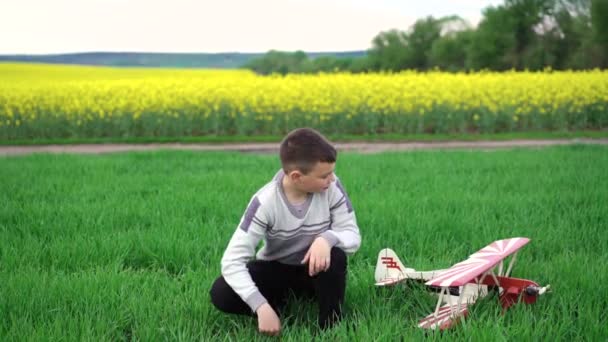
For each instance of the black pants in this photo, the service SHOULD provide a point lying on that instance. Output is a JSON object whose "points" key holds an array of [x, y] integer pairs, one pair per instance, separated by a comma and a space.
{"points": [[275, 281]]}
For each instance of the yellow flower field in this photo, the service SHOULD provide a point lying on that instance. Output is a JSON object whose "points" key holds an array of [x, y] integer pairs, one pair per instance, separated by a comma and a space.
{"points": [[45, 101]]}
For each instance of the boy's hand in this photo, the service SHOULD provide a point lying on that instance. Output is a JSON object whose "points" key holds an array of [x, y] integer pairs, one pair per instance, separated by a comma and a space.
{"points": [[268, 321], [318, 256]]}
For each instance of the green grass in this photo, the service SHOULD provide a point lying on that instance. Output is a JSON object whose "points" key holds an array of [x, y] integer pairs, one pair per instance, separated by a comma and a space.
{"points": [[126, 246], [338, 138]]}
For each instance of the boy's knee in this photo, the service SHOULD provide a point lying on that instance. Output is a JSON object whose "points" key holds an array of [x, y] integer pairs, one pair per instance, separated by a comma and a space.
{"points": [[220, 290], [338, 260]]}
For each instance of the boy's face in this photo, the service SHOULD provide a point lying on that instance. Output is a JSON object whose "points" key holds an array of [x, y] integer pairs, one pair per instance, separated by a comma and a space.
{"points": [[317, 180]]}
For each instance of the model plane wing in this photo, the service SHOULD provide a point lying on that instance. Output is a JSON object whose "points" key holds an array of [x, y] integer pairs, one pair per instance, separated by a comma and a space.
{"points": [[444, 317], [478, 263]]}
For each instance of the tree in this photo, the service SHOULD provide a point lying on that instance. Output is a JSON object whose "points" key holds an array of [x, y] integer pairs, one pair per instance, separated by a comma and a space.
{"points": [[526, 15], [599, 14], [280, 62], [388, 51], [449, 52], [398, 50], [521, 34], [493, 43], [420, 42]]}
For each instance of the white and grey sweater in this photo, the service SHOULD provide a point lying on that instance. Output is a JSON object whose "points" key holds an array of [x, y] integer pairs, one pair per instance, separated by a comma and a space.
{"points": [[287, 231]]}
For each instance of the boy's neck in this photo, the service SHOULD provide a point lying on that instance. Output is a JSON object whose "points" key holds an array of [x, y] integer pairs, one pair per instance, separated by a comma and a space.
{"points": [[293, 194]]}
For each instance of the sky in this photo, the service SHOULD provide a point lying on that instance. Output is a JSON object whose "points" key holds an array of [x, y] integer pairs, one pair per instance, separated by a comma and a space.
{"points": [[65, 26]]}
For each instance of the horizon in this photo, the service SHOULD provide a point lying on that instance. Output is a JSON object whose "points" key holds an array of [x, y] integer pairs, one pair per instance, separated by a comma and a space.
{"points": [[38, 27], [172, 53]]}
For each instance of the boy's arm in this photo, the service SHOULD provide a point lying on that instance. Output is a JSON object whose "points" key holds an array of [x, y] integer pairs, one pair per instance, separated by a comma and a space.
{"points": [[240, 250], [344, 232]]}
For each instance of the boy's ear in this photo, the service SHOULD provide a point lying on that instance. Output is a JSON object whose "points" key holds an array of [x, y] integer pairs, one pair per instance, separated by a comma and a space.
{"points": [[295, 175]]}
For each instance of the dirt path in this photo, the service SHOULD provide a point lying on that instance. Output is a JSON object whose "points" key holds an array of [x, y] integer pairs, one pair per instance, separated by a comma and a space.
{"points": [[364, 147]]}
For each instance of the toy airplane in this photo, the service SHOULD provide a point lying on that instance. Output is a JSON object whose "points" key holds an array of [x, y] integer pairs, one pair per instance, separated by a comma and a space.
{"points": [[462, 284]]}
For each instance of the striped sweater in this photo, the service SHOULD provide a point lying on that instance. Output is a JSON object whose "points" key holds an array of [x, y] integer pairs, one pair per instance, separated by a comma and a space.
{"points": [[287, 231]]}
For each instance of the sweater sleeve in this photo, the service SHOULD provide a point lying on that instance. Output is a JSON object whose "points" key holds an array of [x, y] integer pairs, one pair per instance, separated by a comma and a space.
{"points": [[344, 232], [241, 249]]}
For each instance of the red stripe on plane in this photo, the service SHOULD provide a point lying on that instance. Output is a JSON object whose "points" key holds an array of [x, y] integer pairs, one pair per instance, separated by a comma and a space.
{"points": [[390, 263]]}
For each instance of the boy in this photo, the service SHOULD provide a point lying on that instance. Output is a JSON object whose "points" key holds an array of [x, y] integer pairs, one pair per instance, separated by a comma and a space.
{"points": [[308, 224]]}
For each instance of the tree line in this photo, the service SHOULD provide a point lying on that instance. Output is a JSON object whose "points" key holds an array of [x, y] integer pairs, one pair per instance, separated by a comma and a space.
{"points": [[519, 34]]}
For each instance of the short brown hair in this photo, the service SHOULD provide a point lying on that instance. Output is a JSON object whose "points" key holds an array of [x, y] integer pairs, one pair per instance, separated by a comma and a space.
{"points": [[303, 148]]}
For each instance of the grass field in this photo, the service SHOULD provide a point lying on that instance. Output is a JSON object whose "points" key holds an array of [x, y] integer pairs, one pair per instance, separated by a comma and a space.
{"points": [[126, 246]]}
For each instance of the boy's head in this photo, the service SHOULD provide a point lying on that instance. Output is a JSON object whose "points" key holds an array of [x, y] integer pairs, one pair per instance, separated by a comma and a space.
{"points": [[308, 158]]}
